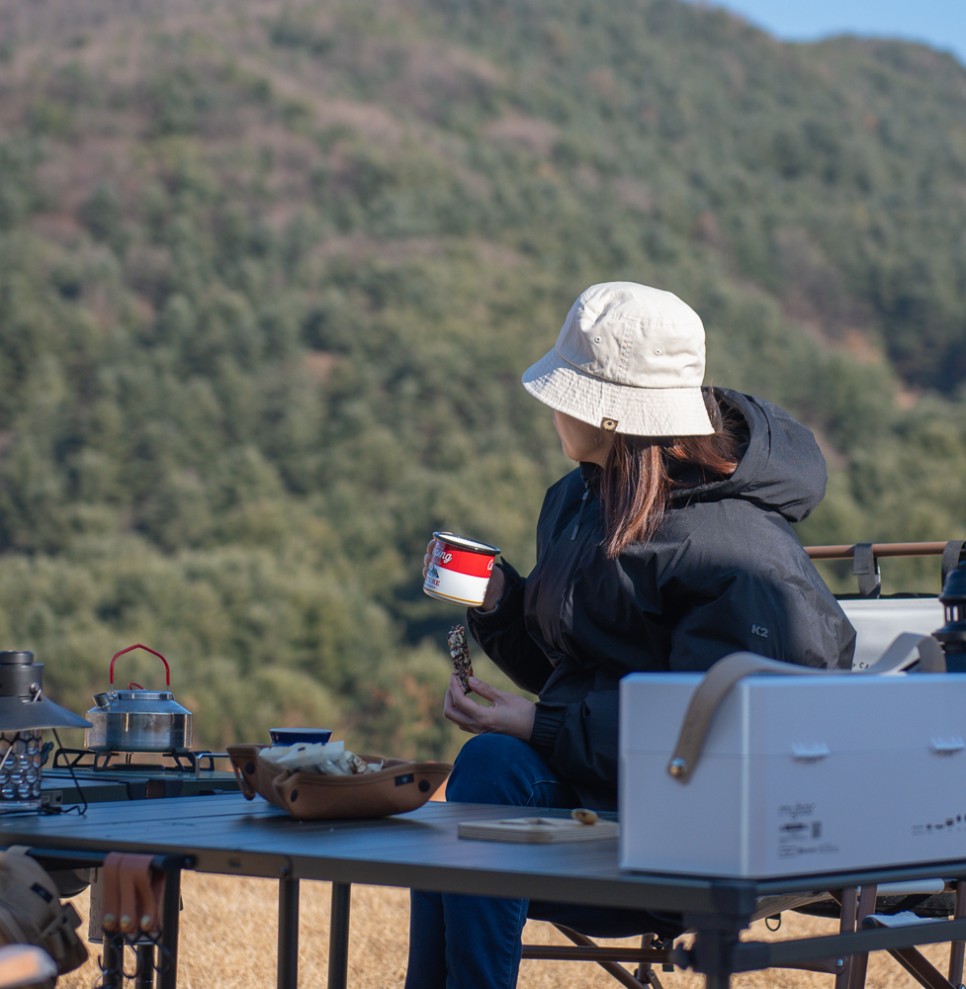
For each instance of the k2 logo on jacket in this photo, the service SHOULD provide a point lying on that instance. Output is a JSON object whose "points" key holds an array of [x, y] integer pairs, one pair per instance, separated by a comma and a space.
{"points": [[760, 631]]}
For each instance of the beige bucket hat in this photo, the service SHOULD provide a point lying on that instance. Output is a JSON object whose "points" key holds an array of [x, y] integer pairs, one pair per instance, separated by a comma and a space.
{"points": [[629, 358]]}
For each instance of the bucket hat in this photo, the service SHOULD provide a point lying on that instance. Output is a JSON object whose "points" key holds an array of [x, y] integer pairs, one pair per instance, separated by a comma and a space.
{"points": [[629, 359]]}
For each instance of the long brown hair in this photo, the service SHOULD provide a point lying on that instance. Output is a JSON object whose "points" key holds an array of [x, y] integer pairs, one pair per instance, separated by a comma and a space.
{"points": [[638, 476]]}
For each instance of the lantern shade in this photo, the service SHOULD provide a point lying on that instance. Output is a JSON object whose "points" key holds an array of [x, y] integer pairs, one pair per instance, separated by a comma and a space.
{"points": [[22, 702], [20, 715]]}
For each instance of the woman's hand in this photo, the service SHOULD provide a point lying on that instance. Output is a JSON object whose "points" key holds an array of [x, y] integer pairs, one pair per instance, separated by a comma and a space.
{"points": [[507, 714], [428, 556], [494, 590]]}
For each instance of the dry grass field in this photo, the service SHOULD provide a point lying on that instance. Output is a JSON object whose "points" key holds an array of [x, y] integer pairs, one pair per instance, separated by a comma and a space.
{"points": [[229, 931]]}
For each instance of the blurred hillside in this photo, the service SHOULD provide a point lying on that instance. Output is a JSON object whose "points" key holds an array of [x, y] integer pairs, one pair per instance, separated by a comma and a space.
{"points": [[269, 274]]}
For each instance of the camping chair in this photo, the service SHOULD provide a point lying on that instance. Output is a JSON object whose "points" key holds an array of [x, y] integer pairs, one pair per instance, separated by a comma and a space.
{"points": [[877, 619], [653, 951]]}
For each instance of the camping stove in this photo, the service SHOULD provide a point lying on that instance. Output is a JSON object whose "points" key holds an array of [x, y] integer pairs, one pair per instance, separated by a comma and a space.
{"points": [[91, 775]]}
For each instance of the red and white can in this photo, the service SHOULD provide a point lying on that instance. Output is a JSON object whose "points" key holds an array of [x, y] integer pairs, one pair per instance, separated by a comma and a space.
{"points": [[460, 569]]}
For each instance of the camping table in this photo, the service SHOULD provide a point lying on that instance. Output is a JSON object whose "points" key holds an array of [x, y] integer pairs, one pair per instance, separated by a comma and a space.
{"points": [[228, 835]]}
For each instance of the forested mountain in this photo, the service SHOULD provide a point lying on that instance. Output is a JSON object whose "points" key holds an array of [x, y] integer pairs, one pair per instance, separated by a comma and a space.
{"points": [[269, 273]]}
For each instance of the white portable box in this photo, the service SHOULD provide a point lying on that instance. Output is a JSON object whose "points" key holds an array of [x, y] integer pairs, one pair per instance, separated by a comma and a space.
{"points": [[797, 775]]}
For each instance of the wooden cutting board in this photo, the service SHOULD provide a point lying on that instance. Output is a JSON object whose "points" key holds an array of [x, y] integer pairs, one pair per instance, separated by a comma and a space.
{"points": [[537, 830]]}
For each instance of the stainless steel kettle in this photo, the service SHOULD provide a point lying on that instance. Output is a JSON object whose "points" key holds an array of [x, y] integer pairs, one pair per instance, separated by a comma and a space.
{"points": [[138, 720]]}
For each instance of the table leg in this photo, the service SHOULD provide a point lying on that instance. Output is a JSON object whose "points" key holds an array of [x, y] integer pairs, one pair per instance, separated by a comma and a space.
{"points": [[144, 973], [112, 961], [713, 951], [339, 936], [288, 933], [170, 923], [956, 949]]}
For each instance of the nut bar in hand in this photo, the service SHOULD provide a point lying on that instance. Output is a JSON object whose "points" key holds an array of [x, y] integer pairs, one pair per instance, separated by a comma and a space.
{"points": [[460, 652]]}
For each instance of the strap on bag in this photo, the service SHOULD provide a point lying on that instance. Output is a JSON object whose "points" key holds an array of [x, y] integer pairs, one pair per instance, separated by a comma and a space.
{"points": [[133, 894], [954, 553], [719, 680], [865, 567]]}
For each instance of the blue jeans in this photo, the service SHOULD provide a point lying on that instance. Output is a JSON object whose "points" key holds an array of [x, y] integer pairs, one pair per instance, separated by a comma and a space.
{"points": [[474, 942]]}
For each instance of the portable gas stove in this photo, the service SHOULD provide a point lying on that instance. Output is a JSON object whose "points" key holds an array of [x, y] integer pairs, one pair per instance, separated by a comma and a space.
{"points": [[88, 775]]}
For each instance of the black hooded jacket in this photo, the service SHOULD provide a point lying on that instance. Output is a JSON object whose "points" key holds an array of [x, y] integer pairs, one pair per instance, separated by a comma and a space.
{"points": [[724, 573]]}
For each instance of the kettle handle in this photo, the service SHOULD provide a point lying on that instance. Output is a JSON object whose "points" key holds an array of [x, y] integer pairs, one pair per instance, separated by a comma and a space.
{"points": [[137, 645]]}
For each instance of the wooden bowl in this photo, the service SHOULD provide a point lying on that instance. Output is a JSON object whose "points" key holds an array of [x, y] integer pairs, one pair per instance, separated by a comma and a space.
{"points": [[398, 787]]}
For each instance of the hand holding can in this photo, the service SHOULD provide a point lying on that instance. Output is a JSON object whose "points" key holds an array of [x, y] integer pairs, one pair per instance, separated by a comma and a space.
{"points": [[458, 569]]}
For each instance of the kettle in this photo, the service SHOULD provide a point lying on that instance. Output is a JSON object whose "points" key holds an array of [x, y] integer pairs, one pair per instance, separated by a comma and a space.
{"points": [[138, 720]]}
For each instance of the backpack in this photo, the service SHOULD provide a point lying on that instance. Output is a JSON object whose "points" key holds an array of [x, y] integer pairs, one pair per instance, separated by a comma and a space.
{"points": [[31, 913]]}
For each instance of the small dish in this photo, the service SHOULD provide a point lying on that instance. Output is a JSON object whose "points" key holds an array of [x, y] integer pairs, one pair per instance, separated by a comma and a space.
{"points": [[296, 736]]}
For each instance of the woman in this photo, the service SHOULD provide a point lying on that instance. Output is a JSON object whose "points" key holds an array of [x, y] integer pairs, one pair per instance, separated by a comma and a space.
{"points": [[668, 548]]}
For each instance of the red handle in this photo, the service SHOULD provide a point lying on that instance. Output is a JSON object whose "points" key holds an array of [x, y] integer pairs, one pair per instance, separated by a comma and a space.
{"points": [[167, 669]]}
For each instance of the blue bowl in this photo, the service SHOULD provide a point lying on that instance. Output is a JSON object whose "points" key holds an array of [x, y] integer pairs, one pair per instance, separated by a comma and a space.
{"points": [[295, 736]]}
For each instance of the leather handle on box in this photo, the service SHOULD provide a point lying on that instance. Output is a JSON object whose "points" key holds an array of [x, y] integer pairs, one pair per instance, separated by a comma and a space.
{"points": [[719, 680]]}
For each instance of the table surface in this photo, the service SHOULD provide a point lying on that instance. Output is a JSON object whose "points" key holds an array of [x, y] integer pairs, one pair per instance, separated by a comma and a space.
{"points": [[229, 835]]}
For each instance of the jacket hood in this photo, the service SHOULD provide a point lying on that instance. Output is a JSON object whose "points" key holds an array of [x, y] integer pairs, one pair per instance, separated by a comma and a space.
{"points": [[782, 468]]}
